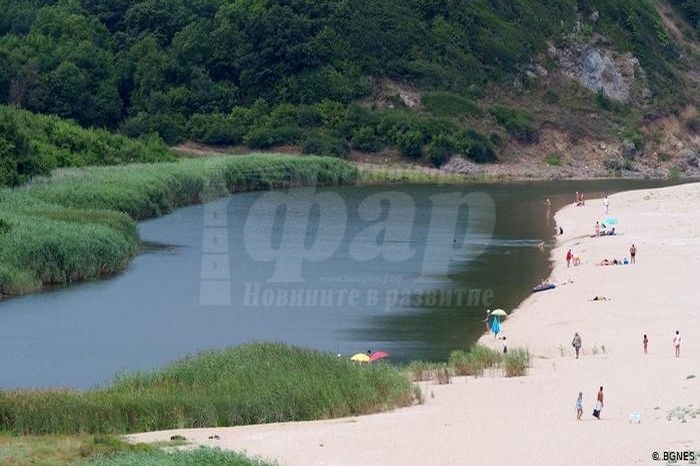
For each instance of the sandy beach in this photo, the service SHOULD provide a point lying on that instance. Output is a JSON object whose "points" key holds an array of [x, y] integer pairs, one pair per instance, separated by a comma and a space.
{"points": [[531, 419]]}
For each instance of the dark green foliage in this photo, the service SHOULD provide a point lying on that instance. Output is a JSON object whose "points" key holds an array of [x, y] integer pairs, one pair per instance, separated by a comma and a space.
{"points": [[32, 145], [366, 140], [690, 9], [150, 65], [693, 124], [322, 143], [446, 104], [440, 149], [517, 122], [251, 384], [477, 147]]}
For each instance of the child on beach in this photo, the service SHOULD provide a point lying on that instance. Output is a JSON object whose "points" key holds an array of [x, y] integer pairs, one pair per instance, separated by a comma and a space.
{"points": [[645, 342], [569, 256], [579, 406], [596, 228]]}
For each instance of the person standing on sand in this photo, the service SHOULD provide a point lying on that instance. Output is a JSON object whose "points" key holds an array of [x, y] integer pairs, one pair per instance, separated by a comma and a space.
{"points": [[599, 404], [606, 204], [583, 201], [596, 228], [633, 253], [505, 347], [487, 320], [576, 343], [579, 406], [645, 342], [578, 199], [569, 256], [677, 344]]}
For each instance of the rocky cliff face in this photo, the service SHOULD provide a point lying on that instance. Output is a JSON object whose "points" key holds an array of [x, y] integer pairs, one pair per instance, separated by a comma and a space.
{"points": [[597, 67]]}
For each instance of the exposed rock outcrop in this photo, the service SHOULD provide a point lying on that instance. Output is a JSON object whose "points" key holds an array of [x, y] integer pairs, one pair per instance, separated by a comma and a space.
{"points": [[597, 68]]}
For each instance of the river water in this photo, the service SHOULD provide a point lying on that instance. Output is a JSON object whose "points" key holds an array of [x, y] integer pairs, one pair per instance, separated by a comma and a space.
{"points": [[239, 270]]}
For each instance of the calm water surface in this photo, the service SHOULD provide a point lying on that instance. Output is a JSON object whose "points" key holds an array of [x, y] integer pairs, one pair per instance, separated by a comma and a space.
{"points": [[81, 335]]}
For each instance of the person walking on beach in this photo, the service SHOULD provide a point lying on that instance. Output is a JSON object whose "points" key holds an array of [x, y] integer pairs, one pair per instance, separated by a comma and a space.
{"points": [[677, 344], [599, 404], [645, 342], [579, 406], [505, 347], [606, 204], [576, 343], [569, 256], [487, 320], [633, 252]]}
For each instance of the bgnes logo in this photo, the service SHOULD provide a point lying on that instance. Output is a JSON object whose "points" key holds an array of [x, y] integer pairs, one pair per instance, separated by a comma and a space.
{"points": [[291, 241]]}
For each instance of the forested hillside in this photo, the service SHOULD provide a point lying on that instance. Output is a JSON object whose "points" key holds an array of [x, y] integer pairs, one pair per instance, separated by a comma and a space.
{"points": [[425, 78]]}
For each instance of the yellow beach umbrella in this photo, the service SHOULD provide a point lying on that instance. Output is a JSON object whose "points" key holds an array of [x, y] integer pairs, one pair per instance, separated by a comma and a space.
{"points": [[360, 357]]}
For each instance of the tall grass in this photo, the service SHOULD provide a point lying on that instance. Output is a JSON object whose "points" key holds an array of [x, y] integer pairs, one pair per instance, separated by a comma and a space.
{"points": [[251, 384], [198, 457], [80, 223], [475, 361], [517, 362]]}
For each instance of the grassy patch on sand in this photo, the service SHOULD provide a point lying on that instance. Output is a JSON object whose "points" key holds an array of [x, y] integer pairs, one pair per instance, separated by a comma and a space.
{"points": [[251, 384], [102, 450]]}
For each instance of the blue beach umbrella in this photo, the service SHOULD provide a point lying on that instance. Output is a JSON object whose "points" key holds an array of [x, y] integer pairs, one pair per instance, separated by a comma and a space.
{"points": [[496, 326]]}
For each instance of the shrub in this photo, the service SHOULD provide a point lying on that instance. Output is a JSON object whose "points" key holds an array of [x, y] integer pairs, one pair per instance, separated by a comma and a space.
{"points": [[517, 122], [410, 143], [365, 140], [553, 160], [322, 143], [636, 138], [693, 124], [440, 149], [264, 137], [447, 104], [477, 147]]}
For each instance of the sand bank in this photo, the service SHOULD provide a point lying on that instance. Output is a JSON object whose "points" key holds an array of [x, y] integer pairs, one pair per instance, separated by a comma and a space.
{"points": [[531, 420]]}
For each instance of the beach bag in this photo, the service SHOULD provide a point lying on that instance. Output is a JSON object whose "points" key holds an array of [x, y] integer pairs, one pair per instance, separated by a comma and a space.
{"points": [[596, 413]]}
